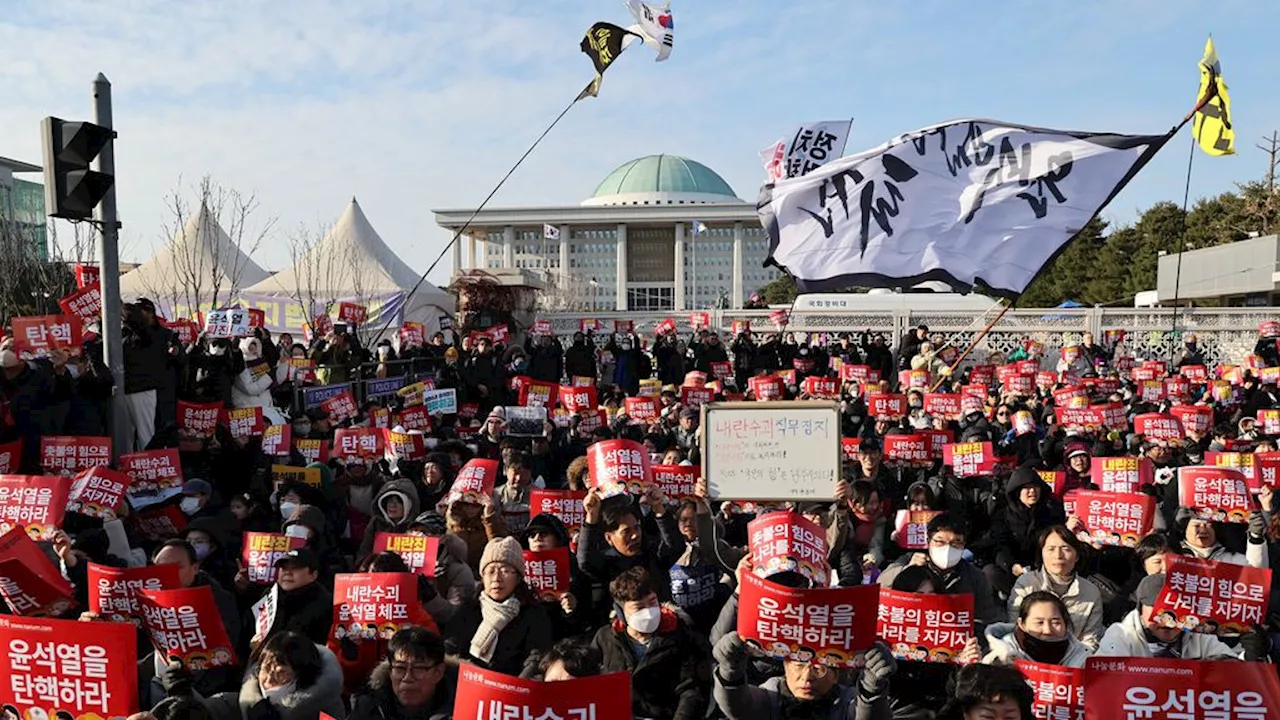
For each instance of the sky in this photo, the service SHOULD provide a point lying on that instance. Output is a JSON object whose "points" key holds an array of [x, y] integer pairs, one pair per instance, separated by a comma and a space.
{"points": [[416, 106]]}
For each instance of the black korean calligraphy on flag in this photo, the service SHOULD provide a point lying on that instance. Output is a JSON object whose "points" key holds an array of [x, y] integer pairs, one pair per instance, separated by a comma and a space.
{"points": [[603, 43], [1213, 128], [965, 202], [815, 144]]}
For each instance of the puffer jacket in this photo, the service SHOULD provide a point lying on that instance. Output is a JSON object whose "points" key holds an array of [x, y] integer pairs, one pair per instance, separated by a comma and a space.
{"points": [[579, 621], [1125, 639], [253, 389], [1082, 598], [1255, 554], [1005, 649], [324, 696], [765, 702], [402, 488], [513, 504], [377, 701], [454, 578], [1015, 527], [672, 680]]}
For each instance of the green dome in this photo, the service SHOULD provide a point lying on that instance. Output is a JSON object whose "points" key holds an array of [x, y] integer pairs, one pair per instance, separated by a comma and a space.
{"points": [[662, 179]]}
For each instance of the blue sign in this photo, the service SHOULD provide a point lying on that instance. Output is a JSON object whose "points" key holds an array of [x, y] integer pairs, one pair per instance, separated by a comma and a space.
{"points": [[313, 396], [381, 388]]}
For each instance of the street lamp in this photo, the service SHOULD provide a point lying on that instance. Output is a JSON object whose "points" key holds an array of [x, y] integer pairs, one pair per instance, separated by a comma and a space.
{"points": [[594, 286]]}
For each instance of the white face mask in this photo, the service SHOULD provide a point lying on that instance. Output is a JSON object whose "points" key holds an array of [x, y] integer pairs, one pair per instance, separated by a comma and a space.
{"points": [[189, 505], [287, 509], [217, 350], [276, 695], [298, 531], [945, 557], [645, 621]]}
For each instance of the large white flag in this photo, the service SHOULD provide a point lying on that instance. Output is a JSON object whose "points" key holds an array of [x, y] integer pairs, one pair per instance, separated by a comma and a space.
{"points": [[963, 202], [654, 24], [816, 144]]}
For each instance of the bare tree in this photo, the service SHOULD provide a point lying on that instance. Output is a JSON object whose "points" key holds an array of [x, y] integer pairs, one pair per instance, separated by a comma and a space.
{"points": [[318, 271], [29, 283]]}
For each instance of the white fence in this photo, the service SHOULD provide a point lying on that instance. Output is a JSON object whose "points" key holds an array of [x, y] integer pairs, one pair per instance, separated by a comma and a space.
{"points": [[1225, 335]]}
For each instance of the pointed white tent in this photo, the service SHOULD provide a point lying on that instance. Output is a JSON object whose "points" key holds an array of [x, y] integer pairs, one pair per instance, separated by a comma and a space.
{"points": [[363, 267], [200, 257]]}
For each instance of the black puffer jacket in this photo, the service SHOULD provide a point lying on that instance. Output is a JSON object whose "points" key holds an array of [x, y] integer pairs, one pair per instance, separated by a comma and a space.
{"points": [[673, 679], [377, 701], [1016, 527], [564, 624]]}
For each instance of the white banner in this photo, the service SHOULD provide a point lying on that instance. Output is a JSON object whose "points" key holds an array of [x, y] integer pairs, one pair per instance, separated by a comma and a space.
{"points": [[962, 202], [813, 145]]}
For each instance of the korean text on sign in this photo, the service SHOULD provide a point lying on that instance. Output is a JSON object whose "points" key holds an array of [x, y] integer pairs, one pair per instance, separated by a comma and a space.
{"points": [[825, 625]]}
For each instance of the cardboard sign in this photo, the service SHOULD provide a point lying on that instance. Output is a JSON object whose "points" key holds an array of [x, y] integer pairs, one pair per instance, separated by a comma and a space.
{"points": [[475, 480], [298, 475], [277, 439], [1058, 690], [30, 583], [72, 453], [340, 407], [98, 493], [924, 628], [185, 623], [830, 626], [970, 459], [908, 450], [547, 572], [1161, 689], [35, 502], [676, 481], [564, 504], [1119, 519], [261, 551], [485, 695], [114, 592], [65, 668], [1216, 493], [312, 451], [358, 443], [38, 336], [374, 606], [767, 387], [1208, 596], [618, 467], [441, 402], [771, 451], [85, 303], [788, 542], [198, 420], [419, 552], [913, 528], [1121, 474], [887, 407]]}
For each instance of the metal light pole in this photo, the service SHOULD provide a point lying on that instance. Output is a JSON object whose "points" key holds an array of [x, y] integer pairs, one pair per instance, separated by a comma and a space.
{"points": [[104, 216]]}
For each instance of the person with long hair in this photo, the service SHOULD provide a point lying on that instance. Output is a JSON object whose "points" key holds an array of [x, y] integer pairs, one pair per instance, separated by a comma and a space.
{"points": [[1060, 553], [988, 692], [1042, 632]]}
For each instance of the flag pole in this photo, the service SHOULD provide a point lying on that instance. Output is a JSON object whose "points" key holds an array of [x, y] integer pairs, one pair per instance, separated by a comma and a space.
{"points": [[972, 344], [466, 225]]}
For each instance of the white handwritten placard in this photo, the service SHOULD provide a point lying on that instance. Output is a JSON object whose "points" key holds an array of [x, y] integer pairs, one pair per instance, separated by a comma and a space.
{"points": [[771, 451]]}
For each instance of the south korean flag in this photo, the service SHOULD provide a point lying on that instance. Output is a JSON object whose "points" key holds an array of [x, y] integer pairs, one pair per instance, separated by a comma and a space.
{"points": [[550, 232], [654, 24]]}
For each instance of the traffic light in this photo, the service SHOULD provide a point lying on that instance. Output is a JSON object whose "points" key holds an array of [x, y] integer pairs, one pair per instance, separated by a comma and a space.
{"points": [[71, 189]]}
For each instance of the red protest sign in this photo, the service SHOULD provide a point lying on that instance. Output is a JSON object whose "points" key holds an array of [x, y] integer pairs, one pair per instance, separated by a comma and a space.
{"points": [[924, 628], [340, 407], [244, 422], [906, 450], [641, 409], [73, 453], [35, 502], [158, 524], [696, 397], [198, 420], [412, 334], [83, 670], [485, 695], [676, 481], [546, 572], [699, 320], [824, 625], [564, 504], [1244, 463], [352, 313], [154, 473], [404, 445], [1161, 689], [87, 275], [849, 448], [37, 336], [1058, 690], [970, 459], [1269, 421], [821, 387], [417, 551], [1157, 426], [1216, 493], [1121, 474], [185, 330], [415, 418], [98, 492], [618, 467], [1267, 468], [1195, 419], [945, 405], [10, 456], [276, 439], [1120, 519], [1229, 597], [787, 542], [475, 479], [312, 451], [861, 374], [767, 387], [722, 370], [913, 528], [29, 582], [85, 303], [536, 393], [1195, 374], [114, 592], [1055, 479], [358, 443], [887, 407], [261, 551], [374, 606], [186, 624], [578, 399]]}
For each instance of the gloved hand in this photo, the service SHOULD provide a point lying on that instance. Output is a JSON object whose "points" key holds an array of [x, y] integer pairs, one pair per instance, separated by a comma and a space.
{"points": [[730, 654], [1009, 436], [1256, 644], [879, 666], [175, 678], [350, 649], [1257, 527], [426, 590]]}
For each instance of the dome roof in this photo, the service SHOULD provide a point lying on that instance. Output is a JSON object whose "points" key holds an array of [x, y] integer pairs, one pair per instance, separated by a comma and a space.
{"points": [[662, 180]]}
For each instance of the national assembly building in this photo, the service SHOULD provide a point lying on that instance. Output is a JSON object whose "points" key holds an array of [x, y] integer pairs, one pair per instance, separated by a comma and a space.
{"points": [[659, 233]]}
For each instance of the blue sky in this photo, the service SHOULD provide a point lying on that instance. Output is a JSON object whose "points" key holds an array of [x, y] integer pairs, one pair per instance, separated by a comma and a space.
{"points": [[412, 106]]}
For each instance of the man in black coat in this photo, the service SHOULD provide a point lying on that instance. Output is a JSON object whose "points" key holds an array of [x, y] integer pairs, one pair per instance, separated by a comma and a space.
{"points": [[580, 358], [546, 358]]}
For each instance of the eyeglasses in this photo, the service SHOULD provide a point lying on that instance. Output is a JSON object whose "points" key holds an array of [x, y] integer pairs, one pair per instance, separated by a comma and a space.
{"points": [[496, 570], [814, 670], [938, 543], [411, 671]]}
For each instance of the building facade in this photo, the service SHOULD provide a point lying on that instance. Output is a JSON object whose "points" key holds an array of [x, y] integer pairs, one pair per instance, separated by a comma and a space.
{"points": [[659, 233], [1245, 273], [22, 206]]}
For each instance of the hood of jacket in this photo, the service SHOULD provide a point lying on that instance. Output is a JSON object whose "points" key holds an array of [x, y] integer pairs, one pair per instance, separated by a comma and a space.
{"points": [[302, 702], [451, 549], [311, 516], [408, 494], [326, 476], [547, 522], [1022, 477]]}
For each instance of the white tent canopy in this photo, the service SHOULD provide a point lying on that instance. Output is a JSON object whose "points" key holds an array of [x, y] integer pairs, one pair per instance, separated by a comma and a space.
{"points": [[199, 258], [353, 262]]}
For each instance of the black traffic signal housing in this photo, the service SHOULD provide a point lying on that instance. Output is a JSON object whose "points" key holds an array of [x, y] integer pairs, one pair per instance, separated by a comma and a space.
{"points": [[71, 189]]}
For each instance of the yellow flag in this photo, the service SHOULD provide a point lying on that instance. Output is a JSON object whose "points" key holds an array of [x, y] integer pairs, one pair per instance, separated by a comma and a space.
{"points": [[1212, 127]]}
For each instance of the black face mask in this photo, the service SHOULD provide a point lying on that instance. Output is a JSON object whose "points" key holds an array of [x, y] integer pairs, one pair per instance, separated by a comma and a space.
{"points": [[1045, 651]]}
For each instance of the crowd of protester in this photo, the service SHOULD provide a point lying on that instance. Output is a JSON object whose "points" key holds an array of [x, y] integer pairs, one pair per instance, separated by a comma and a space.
{"points": [[654, 579]]}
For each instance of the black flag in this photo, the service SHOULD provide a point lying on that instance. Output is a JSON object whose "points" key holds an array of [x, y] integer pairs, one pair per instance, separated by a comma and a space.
{"points": [[603, 44]]}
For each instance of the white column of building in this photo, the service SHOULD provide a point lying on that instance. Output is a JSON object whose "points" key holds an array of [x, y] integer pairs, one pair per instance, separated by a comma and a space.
{"points": [[736, 297], [508, 247], [471, 252], [679, 299], [565, 275], [457, 255], [622, 268]]}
